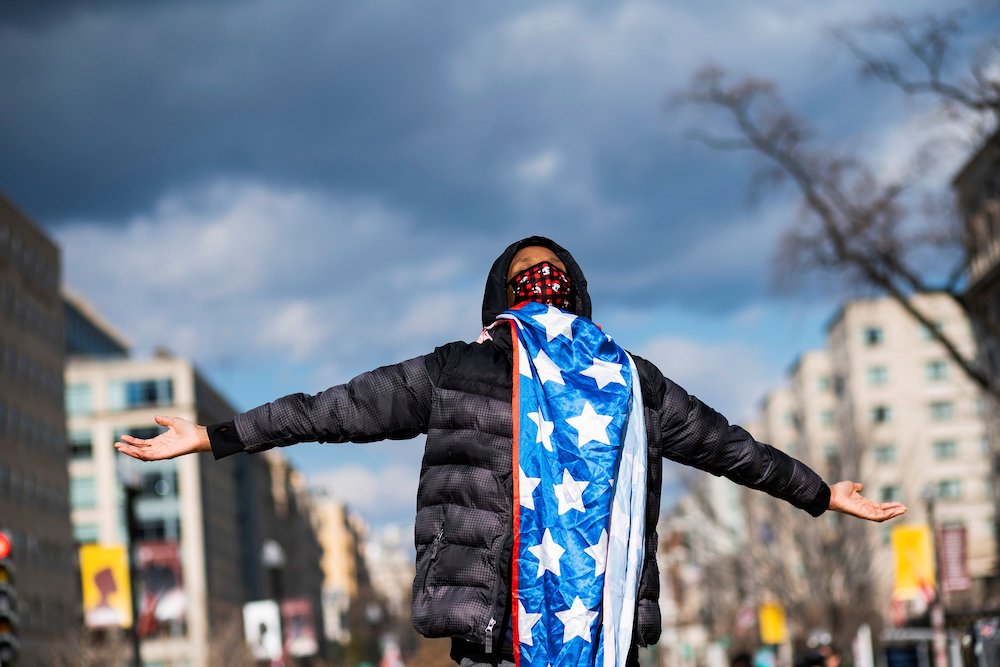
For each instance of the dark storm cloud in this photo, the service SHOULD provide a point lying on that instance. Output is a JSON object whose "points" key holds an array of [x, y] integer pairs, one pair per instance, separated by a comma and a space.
{"points": [[477, 121]]}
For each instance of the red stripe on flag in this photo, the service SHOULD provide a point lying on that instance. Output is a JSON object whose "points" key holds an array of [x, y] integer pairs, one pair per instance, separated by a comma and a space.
{"points": [[515, 457]]}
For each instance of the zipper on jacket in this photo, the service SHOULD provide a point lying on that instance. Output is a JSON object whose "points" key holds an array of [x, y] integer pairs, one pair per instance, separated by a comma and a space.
{"points": [[489, 636], [437, 543]]}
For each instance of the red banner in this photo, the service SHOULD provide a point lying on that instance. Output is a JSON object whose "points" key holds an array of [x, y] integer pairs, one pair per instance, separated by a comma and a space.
{"points": [[299, 627], [953, 553], [161, 589]]}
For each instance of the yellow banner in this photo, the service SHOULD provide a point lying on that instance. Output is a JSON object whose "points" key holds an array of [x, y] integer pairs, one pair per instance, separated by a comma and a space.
{"points": [[914, 562], [771, 617], [107, 598]]}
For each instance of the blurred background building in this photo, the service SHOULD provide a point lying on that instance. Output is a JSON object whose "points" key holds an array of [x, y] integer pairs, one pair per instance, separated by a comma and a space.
{"points": [[202, 523], [34, 483], [187, 509]]}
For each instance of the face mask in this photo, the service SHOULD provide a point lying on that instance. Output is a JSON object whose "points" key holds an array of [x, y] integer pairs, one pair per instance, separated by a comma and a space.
{"points": [[545, 283]]}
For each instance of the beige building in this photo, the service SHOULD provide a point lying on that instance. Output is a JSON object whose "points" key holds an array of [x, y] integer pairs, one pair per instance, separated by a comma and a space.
{"points": [[341, 538], [34, 485], [188, 507], [914, 423], [883, 404], [390, 560]]}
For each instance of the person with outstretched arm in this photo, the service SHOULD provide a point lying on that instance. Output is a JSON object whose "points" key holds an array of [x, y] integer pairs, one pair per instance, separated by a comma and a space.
{"points": [[539, 489]]}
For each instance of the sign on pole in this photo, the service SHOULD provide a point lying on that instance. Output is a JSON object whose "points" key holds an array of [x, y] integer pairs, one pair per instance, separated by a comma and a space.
{"points": [[773, 629], [262, 629], [953, 550], [107, 595], [299, 627], [914, 562]]}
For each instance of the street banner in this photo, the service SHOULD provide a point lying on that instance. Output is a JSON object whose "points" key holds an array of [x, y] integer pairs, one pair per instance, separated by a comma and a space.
{"points": [[161, 590], [107, 596], [773, 629], [262, 629], [914, 562], [953, 553], [299, 627]]}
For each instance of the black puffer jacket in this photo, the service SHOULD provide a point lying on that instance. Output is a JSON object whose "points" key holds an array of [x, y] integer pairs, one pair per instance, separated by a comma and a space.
{"points": [[460, 396]]}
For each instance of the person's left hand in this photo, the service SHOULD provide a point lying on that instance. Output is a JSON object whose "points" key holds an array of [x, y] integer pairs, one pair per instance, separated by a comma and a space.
{"points": [[846, 497], [181, 437]]}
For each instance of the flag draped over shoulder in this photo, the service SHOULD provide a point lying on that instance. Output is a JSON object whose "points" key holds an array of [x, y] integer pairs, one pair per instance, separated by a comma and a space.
{"points": [[580, 483]]}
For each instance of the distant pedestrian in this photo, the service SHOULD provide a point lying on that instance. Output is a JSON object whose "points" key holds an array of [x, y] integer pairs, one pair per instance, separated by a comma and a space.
{"points": [[540, 484]]}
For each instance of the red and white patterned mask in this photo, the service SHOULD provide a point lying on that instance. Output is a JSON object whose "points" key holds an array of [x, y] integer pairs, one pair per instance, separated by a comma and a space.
{"points": [[545, 283]]}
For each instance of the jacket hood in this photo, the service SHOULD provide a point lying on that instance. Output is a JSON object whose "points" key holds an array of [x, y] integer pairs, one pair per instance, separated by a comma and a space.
{"points": [[495, 297]]}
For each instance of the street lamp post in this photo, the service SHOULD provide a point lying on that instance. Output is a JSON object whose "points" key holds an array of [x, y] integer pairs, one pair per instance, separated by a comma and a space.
{"points": [[937, 608], [272, 556], [131, 481]]}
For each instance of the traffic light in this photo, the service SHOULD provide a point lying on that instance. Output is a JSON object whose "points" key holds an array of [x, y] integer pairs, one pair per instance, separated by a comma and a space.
{"points": [[8, 603]]}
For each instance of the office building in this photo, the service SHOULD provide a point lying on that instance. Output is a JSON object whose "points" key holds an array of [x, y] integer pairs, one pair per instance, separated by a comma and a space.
{"points": [[34, 484]]}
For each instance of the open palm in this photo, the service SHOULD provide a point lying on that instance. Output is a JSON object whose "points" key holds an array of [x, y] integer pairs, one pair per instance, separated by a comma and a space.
{"points": [[181, 437], [846, 497]]}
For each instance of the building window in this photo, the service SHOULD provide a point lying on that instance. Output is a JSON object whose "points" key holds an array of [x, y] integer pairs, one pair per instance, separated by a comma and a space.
{"points": [[936, 370], [890, 493], [160, 483], [81, 445], [826, 417], [925, 332], [824, 383], [949, 489], [79, 400], [945, 449], [873, 336], [129, 394], [85, 533], [881, 414], [878, 376], [141, 432], [941, 410], [885, 454], [82, 492]]}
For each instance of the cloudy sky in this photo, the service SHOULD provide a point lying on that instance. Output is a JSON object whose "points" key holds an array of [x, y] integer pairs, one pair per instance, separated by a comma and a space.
{"points": [[293, 192]]}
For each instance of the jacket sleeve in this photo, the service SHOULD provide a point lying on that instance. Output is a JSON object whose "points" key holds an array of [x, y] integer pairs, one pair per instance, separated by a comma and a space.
{"points": [[694, 434], [390, 402]]}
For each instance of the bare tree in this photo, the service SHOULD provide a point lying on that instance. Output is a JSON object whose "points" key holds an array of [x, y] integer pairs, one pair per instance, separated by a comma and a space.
{"points": [[857, 221], [822, 571]]}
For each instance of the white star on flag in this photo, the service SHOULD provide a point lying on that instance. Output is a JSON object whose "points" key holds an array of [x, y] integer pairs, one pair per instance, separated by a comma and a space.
{"points": [[590, 425], [570, 493], [577, 621], [523, 365], [548, 554], [526, 486], [604, 373], [525, 622], [545, 429], [556, 323], [599, 552], [547, 369]]}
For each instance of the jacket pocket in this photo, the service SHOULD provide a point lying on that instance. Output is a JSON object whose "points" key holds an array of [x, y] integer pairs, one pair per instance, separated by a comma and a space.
{"points": [[427, 562]]}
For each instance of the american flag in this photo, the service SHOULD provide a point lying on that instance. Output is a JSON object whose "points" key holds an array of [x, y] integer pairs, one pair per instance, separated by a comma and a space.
{"points": [[580, 471]]}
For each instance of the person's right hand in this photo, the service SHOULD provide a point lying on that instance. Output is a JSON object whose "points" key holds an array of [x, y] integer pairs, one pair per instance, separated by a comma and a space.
{"points": [[181, 437]]}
